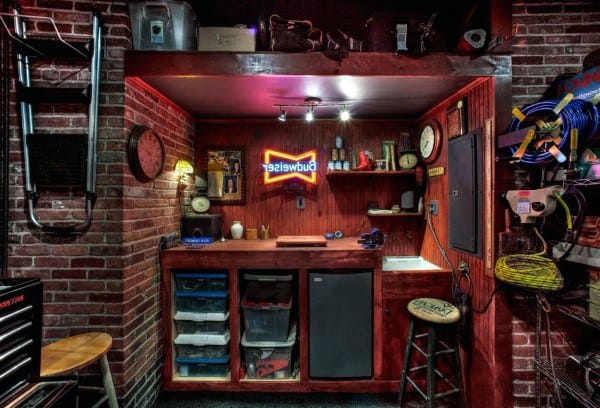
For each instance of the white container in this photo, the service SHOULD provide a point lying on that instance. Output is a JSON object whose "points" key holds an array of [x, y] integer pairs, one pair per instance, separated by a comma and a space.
{"points": [[237, 230], [232, 39], [162, 25]]}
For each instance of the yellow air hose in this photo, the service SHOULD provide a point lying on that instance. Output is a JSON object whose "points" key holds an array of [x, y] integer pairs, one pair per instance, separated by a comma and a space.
{"points": [[529, 271]]}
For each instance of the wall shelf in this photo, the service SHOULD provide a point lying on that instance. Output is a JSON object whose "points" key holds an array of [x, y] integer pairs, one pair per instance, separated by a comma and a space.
{"points": [[375, 173], [399, 214]]}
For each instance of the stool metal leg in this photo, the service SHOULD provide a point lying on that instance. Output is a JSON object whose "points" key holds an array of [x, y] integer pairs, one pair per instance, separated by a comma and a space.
{"points": [[431, 339], [109, 387], [407, 352]]}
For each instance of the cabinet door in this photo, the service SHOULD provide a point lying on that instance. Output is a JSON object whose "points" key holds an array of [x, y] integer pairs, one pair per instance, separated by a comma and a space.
{"points": [[399, 288]]}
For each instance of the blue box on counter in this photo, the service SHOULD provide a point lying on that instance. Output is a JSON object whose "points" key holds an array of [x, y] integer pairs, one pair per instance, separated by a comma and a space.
{"points": [[200, 302], [266, 321]]}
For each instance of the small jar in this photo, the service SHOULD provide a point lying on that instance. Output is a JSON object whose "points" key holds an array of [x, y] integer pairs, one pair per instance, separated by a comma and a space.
{"points": [[237, 230]]}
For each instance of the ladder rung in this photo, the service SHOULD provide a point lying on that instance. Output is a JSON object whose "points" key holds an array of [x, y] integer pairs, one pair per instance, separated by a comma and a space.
{"points": [[54, 95], [53, 49]]}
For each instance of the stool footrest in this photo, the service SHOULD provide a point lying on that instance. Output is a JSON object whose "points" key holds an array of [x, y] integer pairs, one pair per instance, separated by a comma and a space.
{"points": [[442, 394]]}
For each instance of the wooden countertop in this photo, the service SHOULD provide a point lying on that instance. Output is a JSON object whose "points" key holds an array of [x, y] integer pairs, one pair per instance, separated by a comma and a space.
{"points": [[339, 253]]}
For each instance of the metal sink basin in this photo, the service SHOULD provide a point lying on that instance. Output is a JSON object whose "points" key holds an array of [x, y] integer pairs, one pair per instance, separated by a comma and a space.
{"points": [[407, 263]]}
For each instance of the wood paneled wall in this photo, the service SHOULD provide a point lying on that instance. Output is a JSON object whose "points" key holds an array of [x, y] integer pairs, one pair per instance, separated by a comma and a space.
{"points": [[489, 334], [333, 203]]}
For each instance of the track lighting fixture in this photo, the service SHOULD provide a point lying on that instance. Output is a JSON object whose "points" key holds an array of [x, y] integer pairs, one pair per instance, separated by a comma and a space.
{"points": [[310, 104], [309, 115], [282, 115], [344, 114]]}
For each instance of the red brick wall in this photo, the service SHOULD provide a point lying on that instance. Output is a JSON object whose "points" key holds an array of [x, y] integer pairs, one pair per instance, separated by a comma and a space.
{"points": [[553, 38], [106, 279]]}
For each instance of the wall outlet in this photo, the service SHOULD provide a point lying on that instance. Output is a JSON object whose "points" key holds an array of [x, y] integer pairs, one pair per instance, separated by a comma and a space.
{"points": [[433, 207], [300, 202]]}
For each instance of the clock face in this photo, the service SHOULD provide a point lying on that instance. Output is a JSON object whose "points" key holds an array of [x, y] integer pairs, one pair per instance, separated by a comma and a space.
{"points": [[200, 204], [429, 142], [408, 160], [146, 153]]}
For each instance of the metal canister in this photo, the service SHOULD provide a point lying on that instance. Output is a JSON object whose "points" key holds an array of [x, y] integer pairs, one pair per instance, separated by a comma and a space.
{"points": [[346, 165], [334, 154], [338, 165]]}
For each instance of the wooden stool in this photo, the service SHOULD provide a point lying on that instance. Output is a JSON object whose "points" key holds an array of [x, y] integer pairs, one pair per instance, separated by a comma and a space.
{"points": [[433, 315], [69, 355]]}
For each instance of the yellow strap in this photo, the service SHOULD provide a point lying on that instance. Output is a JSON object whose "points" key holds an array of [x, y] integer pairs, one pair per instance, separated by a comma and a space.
{"points": [[564, 102], [528, 138], [518, 114], [574, 138]]}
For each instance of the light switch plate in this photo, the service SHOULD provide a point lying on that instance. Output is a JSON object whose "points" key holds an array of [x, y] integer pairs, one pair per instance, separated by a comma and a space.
{"points": [[300, 203]]}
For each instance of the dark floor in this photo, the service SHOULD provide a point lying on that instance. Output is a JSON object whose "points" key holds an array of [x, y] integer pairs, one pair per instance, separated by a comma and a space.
{"points": [[277, 400]]}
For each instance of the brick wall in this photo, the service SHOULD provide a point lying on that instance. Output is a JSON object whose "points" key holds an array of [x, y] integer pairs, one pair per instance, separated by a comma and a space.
{"points": [[553, 38], [106, 279]]}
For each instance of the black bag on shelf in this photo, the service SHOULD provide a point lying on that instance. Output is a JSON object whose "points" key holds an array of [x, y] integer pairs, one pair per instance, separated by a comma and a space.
{"points": [[294, 35]]}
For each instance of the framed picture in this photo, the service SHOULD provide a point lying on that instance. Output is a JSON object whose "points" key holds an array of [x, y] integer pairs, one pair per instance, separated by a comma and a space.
{"points": [[457, 119], [226, 175]]}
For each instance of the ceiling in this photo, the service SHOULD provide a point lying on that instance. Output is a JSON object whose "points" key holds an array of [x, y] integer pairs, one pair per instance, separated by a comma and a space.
{"points": [[214, 97], [252, 85]]}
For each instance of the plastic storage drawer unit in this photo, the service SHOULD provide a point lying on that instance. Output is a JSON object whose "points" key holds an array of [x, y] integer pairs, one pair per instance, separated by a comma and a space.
{"points": [[204, 326], [201, 302], [268, 287], [269, 359], [203, 367], [206, 351], [201, 282], [266, 321]]}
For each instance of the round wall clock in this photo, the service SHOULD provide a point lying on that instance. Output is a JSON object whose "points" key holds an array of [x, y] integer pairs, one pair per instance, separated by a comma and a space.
{"points": [[200, 204], [430, 141], [146, 153], [408, 160]]}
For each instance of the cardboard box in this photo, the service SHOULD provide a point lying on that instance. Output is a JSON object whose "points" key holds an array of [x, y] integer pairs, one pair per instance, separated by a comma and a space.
{"points": [[231, 39]]}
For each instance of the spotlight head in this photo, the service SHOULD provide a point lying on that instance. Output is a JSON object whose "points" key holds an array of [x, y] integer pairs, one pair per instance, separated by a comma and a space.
{"points": [[309, 115], [282, 116], [344, 114]]}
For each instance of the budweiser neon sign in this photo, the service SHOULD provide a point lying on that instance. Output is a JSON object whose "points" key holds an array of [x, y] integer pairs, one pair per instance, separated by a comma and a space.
{"points": [[281, 166]]}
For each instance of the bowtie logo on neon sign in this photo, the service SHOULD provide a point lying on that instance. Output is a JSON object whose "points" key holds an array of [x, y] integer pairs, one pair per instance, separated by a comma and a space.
{"points": [[281, 166]]}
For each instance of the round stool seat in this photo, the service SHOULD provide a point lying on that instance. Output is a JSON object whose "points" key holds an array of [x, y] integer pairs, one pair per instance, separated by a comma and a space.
{"points": [[433, 310], [70, 354]]}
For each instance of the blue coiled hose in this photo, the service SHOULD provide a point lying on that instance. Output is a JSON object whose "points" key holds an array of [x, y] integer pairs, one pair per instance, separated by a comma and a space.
{"points": [[577, 114]]}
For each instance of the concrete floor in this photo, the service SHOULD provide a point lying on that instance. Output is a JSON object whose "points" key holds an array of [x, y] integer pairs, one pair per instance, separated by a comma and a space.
{"points": [[275, 400], [287, 400]]}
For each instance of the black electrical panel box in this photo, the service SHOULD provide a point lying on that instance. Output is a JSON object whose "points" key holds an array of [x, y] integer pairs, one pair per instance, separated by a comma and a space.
{"points": [[465, 190]]}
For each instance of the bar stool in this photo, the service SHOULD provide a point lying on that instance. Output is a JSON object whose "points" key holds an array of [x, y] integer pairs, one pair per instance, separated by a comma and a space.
{"points": [[69, 355], [433, 315]]}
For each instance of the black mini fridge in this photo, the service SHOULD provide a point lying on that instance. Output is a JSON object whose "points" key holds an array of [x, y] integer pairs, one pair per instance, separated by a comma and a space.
{"points": [[340, 323]]}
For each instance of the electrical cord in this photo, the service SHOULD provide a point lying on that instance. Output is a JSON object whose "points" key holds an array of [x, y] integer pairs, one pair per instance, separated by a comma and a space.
{"points": [[545, 307], [574, 222], [441, 248]]}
